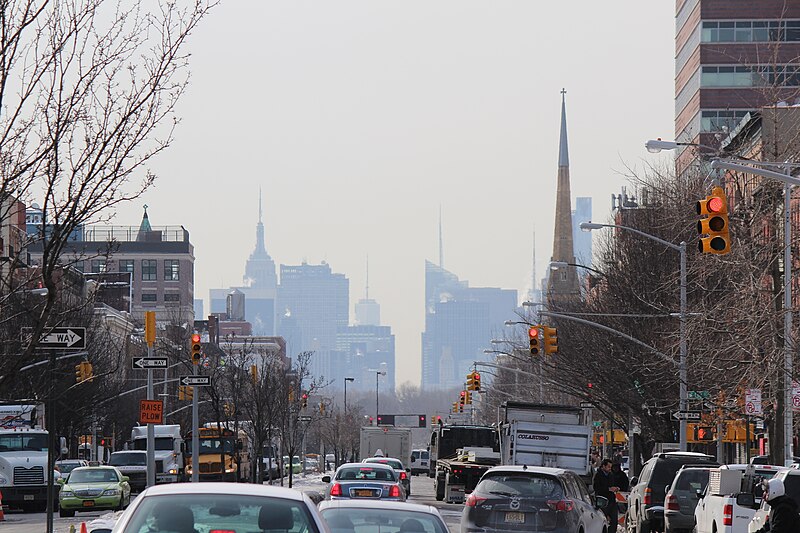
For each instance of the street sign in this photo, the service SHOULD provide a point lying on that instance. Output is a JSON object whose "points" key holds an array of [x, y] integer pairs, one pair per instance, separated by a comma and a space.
{"points": [[200, 381], [597, 423], [752, 402], [795, 396], [148, 362], [305, 418], [699, 395], [151, 411], [686, 415], [587, 405], [68, 338]]}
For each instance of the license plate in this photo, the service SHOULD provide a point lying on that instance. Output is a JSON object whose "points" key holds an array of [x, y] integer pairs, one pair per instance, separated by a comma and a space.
{"points": [[28, 497], [90, 503], [515, 518], [363, 493]]}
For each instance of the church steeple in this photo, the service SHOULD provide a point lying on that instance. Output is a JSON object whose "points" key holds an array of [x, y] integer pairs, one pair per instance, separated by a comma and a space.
{"points": [[564, 281], [144, 227]]}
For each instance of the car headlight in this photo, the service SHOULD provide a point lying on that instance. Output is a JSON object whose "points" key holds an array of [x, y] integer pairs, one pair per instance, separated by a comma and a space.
{"points": [[231, 469], [66, 493], [111, 492], [173, 471], [188, 469]]}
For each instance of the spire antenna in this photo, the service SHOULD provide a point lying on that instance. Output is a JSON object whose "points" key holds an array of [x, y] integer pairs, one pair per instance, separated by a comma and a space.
{"points": [[367, 296], [441, 242]]}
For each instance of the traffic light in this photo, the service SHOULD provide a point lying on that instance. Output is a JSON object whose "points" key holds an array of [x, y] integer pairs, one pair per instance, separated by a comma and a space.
{"points": [[714, 210], [304, 400], [704, 433], [83, 372], [533, 333], [196, 348], [455, 407], [468, 398], [291, 395], [78, 372], [471, 381], [181, 394], [254, 374], [185, 392], [321, 408], [477, 381], [422, 421], [550, 340]]}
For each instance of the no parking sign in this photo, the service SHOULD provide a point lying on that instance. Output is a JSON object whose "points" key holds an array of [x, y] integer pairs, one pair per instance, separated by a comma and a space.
{"points": [[752, 402]]}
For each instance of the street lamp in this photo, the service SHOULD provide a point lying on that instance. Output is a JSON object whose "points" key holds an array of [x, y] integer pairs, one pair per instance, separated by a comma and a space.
{"points": [[378, 374], [345, 393], [555, 265], [681, 248], [654, 146]]}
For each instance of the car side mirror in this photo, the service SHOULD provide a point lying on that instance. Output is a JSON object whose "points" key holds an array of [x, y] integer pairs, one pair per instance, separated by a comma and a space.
{"points": [[634, 481], [125, 478], [61, 481], [408, 470], [746, 499], [667, 488], [600, 502], [699, 493], [326, 479], [413, 459]]}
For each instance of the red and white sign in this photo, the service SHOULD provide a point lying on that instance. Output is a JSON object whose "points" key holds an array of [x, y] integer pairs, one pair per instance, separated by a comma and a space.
{"points": [[151, 412], [752, 402], [795, 396]]}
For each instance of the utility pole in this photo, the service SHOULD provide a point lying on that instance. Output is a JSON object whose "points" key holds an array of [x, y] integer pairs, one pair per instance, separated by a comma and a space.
{"points": [[150, 338]]}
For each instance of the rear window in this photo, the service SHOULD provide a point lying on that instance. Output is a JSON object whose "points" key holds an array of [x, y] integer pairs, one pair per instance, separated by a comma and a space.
{"points": [[397, 465], [526, 485], [128, 459], [693, 479], [792, 486], [366, 473], [664, 471], [425, 455]]}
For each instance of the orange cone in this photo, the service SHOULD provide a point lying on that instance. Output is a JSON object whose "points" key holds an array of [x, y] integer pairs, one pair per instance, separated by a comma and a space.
{"points": [[83, 528], [2, 515]]}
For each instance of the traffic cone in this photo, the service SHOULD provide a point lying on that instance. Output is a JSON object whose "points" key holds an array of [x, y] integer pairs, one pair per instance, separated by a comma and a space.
{"points": [[83, 528], [2, 514]]}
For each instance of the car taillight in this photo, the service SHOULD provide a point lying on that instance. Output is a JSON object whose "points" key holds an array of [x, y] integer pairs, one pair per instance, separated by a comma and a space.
{"points": [[672, 503], [403, 475], [474, 501], [336, 490], [648, 496], [394, 491], [561, 505], [222, 531], [727, 515]]}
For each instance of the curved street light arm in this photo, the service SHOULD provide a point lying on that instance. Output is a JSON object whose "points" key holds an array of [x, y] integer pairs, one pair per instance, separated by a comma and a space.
{"points": [[594, 225], [784, 178]]}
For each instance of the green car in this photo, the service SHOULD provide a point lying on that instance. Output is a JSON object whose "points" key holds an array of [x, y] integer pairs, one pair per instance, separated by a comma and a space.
{"points": [[297, 466], [93, 488]]}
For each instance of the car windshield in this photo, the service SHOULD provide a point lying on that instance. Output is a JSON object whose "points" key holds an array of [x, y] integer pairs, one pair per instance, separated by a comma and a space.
{"points": [[212, 446], [365, 473], [527, 485], [692, 479], [98, 475], [128, 459], [66, 468], [23, 443], [397, 465], [357, 519], [162, 443], [219, 512]]}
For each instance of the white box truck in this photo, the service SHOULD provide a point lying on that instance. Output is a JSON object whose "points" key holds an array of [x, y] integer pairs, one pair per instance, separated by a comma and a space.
{"points": [[391, 441], [545, 435], [23, 457], [168, 452]]}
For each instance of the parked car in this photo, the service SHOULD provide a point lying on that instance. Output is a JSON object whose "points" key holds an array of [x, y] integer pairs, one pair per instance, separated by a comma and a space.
{"points": [[188, 507], [682, 497], [646, 498], [133, 464], [347, 516], [296, 465], [420, 461], [523, 498], [791, 486], [93, 488], [397, 465], [364, 480]]}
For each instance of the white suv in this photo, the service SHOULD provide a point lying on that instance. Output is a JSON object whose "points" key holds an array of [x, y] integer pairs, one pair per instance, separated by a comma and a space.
{"points": [[791, 483], [420, 462]]}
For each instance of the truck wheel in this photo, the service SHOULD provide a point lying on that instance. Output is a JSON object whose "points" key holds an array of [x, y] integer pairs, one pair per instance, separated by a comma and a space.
{"points": [[439, 486], [63, 513]]}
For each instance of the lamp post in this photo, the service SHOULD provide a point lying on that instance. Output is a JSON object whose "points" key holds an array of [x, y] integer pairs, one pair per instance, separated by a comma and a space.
{"points": [[681, 248], [378, 374], [345, 393], [788, 343], [555, 265]]}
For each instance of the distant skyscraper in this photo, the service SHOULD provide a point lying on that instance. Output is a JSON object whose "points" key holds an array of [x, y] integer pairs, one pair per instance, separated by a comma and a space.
{"points": [[362, 350], [259, 287], [563, 283], [313, 304], [459, 323], [198, 308], [368, 311], [582, 240]]}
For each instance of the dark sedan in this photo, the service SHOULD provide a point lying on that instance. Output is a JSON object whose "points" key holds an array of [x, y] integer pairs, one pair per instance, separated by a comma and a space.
{"points": [[365, 481]]}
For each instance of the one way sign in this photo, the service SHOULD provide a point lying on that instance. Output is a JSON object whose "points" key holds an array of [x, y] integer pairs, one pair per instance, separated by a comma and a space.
{"points": [[68, 338], [149, 362], [201, 381]]}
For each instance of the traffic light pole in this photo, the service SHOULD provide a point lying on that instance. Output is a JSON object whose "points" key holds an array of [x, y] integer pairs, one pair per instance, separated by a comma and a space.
{"points": [[195, 437], [151, 432]]}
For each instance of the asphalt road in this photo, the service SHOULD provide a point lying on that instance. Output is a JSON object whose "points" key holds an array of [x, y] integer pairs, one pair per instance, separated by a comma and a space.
{"points": [[421, 492]]}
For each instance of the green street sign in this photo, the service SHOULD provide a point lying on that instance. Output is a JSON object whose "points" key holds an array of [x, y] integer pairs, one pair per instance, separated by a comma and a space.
{"points": [[699, 395], [597, 424]]}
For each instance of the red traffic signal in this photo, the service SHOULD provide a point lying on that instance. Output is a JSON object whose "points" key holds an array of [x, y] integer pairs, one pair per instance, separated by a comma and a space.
{"points": [[196, 348], [422, 421], [714, 210], [533, 334]]}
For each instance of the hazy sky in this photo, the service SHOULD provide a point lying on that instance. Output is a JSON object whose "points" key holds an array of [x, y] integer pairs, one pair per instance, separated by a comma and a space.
{"points": [[359, 118]]}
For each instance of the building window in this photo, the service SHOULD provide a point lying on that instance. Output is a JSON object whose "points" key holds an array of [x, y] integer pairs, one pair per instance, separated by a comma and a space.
{"points": [[755, 76], [149, 297], [172, 297], [126, 265], [78, 266], [721, 119], [149, 270], [750, 31], [171, 269], [99, 266]]}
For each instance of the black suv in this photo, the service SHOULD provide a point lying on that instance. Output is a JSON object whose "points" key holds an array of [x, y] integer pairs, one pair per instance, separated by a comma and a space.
{"points": [[646, 499]]}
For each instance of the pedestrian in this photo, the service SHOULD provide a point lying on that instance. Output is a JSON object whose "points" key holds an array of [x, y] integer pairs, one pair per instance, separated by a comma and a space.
{"points": [[619, 478], [783, 517], [603, 484]]}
